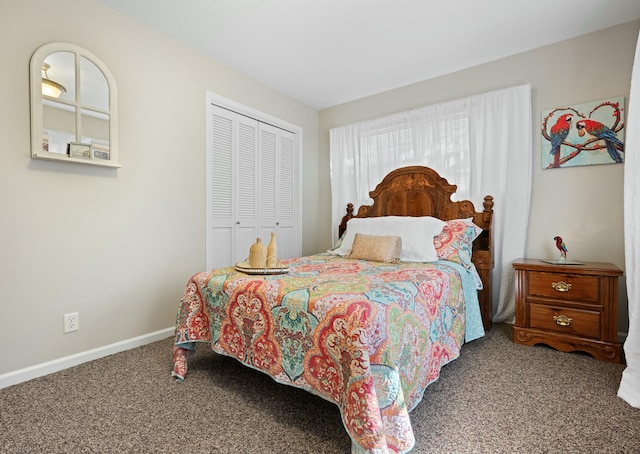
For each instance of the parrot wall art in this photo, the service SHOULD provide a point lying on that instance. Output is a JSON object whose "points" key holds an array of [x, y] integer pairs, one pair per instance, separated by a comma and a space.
{"points": [[559, 132], [600, 131], [584, 134]]}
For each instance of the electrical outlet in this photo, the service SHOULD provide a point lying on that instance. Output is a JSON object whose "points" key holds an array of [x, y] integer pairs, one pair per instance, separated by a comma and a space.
{"points": [[71, 322]]}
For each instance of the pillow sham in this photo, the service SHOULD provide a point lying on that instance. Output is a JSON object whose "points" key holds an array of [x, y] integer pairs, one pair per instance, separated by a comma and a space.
{"points": [[455, 241], [417, 235], [376, 248]]}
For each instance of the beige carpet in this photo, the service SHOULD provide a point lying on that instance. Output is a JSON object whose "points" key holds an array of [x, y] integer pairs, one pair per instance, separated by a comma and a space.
{"points": [[498, 397]]}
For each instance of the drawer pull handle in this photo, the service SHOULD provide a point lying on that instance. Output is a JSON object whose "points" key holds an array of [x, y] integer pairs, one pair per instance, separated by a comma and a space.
{"points": [[561, 286], [562, 320]]}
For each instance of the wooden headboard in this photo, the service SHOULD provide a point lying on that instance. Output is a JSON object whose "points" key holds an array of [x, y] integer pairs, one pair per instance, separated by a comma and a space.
{"points": [[420, 191]]}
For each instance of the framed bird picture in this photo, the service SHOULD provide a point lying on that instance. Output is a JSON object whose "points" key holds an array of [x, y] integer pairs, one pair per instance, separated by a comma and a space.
{"points": [[585, 134]]}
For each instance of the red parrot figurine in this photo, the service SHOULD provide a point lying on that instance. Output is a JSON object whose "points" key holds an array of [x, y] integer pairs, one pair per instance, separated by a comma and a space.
{"points": [[600, 131], [561, 246]]}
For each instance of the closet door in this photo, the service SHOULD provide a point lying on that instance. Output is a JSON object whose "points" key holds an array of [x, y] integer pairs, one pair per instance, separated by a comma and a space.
{"points": [[288, 188], [252, 170], [268, 175], [220, 183], [246, 159], [276, 195], [231, 185]]}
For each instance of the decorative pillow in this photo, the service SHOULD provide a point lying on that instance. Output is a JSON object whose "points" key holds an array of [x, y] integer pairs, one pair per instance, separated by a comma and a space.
{"points": [[376, 248], [416, 232], [455, 242]]}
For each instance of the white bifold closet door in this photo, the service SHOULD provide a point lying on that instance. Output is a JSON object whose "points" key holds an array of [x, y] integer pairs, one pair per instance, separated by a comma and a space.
{"points": [[251, 185], [276, 196]]}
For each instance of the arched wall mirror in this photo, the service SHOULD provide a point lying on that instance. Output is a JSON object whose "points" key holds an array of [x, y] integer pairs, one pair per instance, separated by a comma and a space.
{"points": [[73, 107]]}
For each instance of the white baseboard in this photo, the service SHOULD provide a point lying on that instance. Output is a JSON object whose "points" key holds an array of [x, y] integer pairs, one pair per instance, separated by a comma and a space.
{"points": [[39, 370]]}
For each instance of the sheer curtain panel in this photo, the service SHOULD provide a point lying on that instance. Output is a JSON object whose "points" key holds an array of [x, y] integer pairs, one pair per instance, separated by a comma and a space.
{"points": [[630, 384], [481, 143], [363, 153]]}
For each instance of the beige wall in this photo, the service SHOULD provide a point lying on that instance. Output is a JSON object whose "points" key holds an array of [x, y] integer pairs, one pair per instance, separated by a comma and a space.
{"points": [[117, 246], [582, 204]]}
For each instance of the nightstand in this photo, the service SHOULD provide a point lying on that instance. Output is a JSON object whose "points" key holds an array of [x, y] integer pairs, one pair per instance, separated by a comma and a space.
{"points": [[568, 307]]}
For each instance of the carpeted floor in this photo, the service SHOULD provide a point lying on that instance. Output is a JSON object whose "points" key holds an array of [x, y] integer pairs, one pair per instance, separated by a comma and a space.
{"points": [[498, 397]]}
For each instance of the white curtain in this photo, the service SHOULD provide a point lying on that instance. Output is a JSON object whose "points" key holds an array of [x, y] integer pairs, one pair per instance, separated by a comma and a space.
{"points": [[502, 150], [630, 384], [496, 128], [363, 153]]}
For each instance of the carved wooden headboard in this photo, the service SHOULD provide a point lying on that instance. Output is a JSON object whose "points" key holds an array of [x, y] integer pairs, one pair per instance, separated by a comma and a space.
{"points": [[420, 191]]}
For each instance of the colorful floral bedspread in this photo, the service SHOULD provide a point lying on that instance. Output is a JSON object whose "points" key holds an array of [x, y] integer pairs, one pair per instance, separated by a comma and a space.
{"points": [[367, 336]]}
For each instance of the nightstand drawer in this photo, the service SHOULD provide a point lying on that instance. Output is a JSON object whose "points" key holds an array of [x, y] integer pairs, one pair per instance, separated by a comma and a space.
{"points": [[564, 320], [565, 287]]}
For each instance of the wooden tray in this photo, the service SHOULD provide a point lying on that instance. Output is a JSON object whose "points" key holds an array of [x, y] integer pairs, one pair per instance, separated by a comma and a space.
{"points": [[244, 267]]}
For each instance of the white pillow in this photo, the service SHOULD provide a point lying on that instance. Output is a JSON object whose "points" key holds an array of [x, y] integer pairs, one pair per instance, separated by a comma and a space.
{"points": [[416, 232]]}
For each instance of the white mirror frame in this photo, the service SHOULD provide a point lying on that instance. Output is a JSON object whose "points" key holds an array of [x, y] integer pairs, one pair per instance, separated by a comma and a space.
{"points": [[37, 111]]}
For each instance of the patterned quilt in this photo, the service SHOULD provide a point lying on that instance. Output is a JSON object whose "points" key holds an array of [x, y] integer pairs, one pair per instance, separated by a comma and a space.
{"points": [[367, 336]]}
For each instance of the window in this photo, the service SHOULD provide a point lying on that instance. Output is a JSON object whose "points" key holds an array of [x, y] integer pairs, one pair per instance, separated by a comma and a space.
{"points": [[363, 153], [441, 143]]}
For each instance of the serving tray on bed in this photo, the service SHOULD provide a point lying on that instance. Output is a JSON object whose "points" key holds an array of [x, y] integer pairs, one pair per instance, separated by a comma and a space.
{"points": [[244, 267]]}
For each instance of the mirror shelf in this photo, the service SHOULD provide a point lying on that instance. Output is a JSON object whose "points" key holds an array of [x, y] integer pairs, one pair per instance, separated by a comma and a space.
{"points": [[73, 107], [65, 158]]}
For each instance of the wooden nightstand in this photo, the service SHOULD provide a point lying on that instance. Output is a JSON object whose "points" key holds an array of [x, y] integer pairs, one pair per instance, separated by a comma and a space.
{"points": [[568, 307]]}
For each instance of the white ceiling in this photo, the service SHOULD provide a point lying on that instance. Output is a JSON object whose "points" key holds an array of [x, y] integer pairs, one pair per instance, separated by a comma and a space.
{"points": [[327, 52]]}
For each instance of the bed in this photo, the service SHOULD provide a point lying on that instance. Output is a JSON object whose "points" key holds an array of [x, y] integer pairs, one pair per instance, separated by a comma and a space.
{"points": [[366, 332]]}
